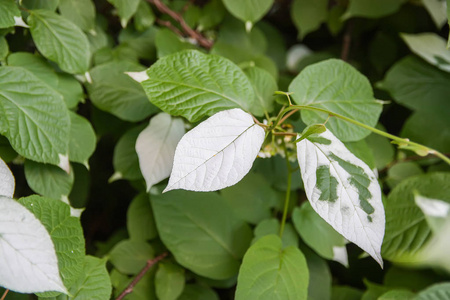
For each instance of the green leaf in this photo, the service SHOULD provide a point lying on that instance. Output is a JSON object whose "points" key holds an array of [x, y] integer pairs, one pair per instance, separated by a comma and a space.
{"points": [[319, 276], [439, 291], [197, 292], [8, 10], [407, 230], [143, 290], [4, 48], [7, 153], [212, 14], [140, 221], [397, 294], [113, 91], [41, 4], [35, 119], [80, 12], [174, 85], [308, 16], [270, 272], [206, 237], [345, 293], [275, 170], [125, 9], [251, 198], [264, 85], [370, 9], [318, 234], [82, 139], [129, 257], [399, 172], [167, 42], [169, 281], [411, 279], [272, 226], [248, 10], [66, 234], [276, 49], [362, 151], [48, 180], [60, 41], [336, 86], [140, 44], [382, 149], [144, 17], [71, 90]]}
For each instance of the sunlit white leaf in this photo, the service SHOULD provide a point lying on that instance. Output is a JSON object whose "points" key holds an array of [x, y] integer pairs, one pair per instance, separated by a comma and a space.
{"points": [[28, 262], [155, 147], [217, 153], [343, 191], [7, 182]]}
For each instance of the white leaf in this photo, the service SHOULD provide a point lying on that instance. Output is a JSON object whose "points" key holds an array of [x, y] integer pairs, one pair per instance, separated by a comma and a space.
{"points": [[155, 147], [138, 76], [7, 182], [343, 191], [340, 255], [432, 207], [217, 153], [28, 262]]}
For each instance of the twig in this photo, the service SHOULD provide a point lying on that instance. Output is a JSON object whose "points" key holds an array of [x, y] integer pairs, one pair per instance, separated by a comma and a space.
{"points": [[4, 294], [150, 263], [347, 40], [203, 41], [169, 25], [287, 116]]}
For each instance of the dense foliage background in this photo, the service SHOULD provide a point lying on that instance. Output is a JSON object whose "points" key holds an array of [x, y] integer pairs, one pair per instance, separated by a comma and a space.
{"points": [[79, 51]]}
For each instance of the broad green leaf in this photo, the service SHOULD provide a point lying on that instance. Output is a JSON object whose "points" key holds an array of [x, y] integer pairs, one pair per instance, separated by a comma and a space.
{"points": [[167, 42], [144, 17], [125, 158], [400, 171], [407, 230], [129, 257], [82, 139], [60, 41], [251, 198], [397, 294], [440, 291], [336, 86], [48, 180], [113, 91], [272, 226], [437, 10], [308, 15], [249, 11], [198, 292], [319, 235], [207, 237], [155, 147], [169, 281], [125, 9], [80, 12], [28, 262], [270, 272], [194, 85], [65, 231], [36, 120], [140, 221], [264, 85], [343, 191], [41, 4], [319, 276], [7, 181], [345, 293], [4, 48], [371, 9], [431, 47], [8, 12], [212, 14], [217, 153]]}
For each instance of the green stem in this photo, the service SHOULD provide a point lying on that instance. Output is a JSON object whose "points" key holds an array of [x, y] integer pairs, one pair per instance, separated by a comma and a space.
{"points": [[288, 193]]}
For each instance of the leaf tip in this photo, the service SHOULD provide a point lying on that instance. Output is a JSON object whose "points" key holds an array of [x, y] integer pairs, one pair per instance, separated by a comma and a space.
{"points": [[115, 176], [64, 163], [18, 21], [138, 76]]}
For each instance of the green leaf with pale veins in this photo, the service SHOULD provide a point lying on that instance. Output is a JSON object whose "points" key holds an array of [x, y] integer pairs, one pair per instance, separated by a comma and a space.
{"points": [[82, 139], [308, 15], [270, 272], [248, 10], [79, 12], [8, 10], [336, 86], [207, 238], [60, 41], [35, 118], [194, 85]]}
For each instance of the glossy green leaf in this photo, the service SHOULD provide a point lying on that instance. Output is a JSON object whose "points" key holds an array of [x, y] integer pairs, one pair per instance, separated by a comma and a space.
{"points": [[113, 91], [272, 226], [167, 42], [173, 85], [125, 9], [80, 12], [8, 10], [319, 235], [140, 221], [207, 237], [439, 291], [198, 292], [48, 180], [169, 281], [264, 85], [37, 129], [129, 257], [248, 10], [66, 233], [251, 198], [406, 228], [338, 87], [308, 15], [270, 272], [60, 41], [371, 9]]}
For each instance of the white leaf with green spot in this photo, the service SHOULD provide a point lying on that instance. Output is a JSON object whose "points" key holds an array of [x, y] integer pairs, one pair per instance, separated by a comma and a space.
{"points": [[217, 153], [155, 147], [28, 262], [343, 191], [7, 182]]}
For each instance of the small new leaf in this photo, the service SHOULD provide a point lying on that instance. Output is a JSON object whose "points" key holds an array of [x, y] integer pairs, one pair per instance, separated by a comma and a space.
{"points": [[310, 130], [217, 153]]}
